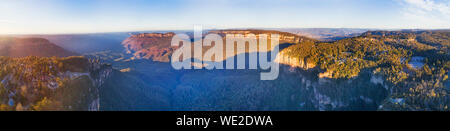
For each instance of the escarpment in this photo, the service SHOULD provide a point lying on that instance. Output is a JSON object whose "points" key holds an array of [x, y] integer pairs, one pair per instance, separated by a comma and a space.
{"points": [[155, 46], [284, 58]]}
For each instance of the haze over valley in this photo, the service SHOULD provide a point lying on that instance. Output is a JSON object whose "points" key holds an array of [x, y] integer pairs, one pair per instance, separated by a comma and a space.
{"points": [[343, 69]]}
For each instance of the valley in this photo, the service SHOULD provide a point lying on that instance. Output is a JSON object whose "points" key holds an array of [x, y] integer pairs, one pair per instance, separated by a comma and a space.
{"points": [[370, 71]]}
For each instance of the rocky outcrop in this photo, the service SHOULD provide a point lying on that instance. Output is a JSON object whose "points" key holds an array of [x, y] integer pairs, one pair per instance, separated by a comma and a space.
{"points": [[284, 58], [103, 75], [99, 72], [285, 37], [153, 46], [327, 74]]}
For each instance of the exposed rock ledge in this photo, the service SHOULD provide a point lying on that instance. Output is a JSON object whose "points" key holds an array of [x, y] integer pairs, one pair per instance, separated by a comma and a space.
{"points": [[328, 74], [284, 58]]}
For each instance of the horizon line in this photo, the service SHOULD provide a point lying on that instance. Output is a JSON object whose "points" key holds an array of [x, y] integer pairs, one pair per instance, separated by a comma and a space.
{"points": [[187, 30]]}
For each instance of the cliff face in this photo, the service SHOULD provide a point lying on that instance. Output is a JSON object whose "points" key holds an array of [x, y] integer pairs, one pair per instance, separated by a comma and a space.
{"points": [[99, 72], [328, 74], [154, 46], [284, 58], [285, 37]]}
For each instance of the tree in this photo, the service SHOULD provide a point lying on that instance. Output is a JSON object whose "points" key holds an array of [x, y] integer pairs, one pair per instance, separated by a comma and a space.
{"points": [[44, 104], [19, 107], [427, 70], [4, 107], [3, 93]]}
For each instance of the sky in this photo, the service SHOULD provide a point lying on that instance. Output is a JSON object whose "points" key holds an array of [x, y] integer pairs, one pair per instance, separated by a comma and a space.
{"points": [[93, 16]]}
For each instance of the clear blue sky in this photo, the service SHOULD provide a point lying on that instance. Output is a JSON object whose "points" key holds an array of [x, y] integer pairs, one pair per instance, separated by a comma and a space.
{"points": [[82, 16]]}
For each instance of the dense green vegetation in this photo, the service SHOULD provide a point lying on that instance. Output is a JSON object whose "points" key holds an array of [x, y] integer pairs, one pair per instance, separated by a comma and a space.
{"points": [[45, 83], [388, 54]]}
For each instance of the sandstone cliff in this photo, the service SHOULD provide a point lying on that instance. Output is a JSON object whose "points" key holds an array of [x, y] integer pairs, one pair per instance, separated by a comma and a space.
{"points": [[154, 46], [284, 58]]}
